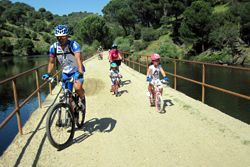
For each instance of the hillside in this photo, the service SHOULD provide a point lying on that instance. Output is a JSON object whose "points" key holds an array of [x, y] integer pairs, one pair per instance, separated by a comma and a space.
{"points": [[209, 30], [25, 31]]}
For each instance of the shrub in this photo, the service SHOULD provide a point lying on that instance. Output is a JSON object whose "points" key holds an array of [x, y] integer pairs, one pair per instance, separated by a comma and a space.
{"points": [[24, 47], [5, 46], [223, 56], [169, 49], [124, 44], [139, 45], [149, 34]]}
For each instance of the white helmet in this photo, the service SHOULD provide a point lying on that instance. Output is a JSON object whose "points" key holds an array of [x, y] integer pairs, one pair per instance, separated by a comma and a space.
{"points": [[61, 30]]}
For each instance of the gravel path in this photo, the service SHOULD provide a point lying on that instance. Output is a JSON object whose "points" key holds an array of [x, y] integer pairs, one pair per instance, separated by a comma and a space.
{"points": [[125, 131]]}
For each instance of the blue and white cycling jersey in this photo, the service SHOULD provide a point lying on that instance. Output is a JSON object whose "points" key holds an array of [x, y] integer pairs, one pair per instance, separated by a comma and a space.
{"points": [[65, 57]]}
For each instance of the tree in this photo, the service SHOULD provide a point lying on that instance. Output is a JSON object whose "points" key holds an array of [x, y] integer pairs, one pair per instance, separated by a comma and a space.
{"points": [[21, 33], [120, 11], [225, 31], [39, 26], [16, 14], [243, 11], [24, 46], [196, 26], [46, 38], [149, 34], [48, 16], [5, 46], [148, 12], [42, 10], [226, 35], [33, 36], [91, 28]]}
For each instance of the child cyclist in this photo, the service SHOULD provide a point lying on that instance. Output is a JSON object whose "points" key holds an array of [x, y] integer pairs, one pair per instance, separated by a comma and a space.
{"points": [[115, 78], [153, 74]]}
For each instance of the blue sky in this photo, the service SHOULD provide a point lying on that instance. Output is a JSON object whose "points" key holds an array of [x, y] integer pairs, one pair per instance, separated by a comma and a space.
{"points": [[61, 7]]}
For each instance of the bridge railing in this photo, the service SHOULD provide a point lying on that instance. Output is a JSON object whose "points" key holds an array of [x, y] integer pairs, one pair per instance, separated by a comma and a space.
{"points": [[203, 83], [18, 105]]}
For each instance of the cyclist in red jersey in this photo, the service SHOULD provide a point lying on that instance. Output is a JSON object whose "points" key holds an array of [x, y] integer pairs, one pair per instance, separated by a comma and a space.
{"points": [[115, 56]]}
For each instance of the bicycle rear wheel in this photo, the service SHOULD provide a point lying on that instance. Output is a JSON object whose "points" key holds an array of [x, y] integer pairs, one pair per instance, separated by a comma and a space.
{"points": [[60, 126]]}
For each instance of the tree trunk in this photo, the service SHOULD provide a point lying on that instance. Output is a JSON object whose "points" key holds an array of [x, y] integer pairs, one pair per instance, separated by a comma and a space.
{"points": [[125, 30]]}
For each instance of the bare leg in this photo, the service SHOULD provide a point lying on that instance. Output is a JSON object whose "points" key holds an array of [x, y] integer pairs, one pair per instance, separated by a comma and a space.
{"points": [[79, 89]]}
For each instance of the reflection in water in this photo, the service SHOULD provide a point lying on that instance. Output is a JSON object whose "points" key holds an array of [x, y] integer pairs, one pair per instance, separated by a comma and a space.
{"points": [[25, 86]]}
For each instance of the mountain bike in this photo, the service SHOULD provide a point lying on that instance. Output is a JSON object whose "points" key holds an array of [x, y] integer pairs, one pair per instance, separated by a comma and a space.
{"points": [[156, 97], [62, 118]]}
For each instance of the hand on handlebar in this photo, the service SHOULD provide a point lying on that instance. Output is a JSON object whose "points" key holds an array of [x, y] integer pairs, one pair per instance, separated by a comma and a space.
{"points": [[45, 76], [149, 79], [165, 79], [78, 75]]}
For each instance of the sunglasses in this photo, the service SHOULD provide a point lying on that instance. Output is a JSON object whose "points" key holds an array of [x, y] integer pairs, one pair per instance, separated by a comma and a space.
{"points": [[62, 37]]}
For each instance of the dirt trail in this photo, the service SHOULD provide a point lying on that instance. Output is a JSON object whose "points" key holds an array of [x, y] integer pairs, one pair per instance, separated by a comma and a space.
{"points": [[125, 131]]}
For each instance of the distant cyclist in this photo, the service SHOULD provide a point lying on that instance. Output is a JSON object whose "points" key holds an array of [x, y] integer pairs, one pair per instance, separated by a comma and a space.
{"points": [[68, 53], [115, 56], [99, 51]]}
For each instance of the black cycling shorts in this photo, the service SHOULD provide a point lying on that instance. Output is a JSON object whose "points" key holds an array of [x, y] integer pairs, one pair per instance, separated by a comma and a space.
{"points": [[117, 62]]}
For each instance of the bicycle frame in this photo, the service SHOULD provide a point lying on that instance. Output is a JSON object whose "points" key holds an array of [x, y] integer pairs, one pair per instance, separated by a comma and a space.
{"points": [[117, 83], [157, 88]]}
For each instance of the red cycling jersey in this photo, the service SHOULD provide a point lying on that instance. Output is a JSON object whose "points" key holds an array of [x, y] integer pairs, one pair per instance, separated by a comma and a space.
{"points": [[114, 55]]}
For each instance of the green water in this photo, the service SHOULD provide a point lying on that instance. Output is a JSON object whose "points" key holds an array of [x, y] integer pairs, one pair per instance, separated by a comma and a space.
{"points": [[25, 86]]}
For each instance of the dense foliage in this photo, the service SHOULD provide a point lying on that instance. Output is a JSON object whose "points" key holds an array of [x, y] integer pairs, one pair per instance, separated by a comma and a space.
{"points": [[193, 27], [196, 26]]}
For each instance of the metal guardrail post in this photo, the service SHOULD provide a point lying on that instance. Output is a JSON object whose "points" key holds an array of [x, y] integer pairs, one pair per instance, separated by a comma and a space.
{"points": [[147, 62], [50, 88], [38, 88], [17, 106], [175, 79], [139, 66], [203, 82]]}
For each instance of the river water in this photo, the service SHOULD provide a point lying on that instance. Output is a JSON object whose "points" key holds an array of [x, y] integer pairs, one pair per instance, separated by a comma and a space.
{"points": [[25, 86]]}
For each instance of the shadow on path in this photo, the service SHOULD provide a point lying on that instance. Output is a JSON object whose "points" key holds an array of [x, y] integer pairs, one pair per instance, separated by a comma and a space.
{"points": [[126, 82], [167, 103], [33, 134], [103, 125]]}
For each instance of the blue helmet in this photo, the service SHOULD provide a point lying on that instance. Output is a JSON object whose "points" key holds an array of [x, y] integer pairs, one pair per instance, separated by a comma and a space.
{"points": [[114, 46], [113, 65], [61, 30]]}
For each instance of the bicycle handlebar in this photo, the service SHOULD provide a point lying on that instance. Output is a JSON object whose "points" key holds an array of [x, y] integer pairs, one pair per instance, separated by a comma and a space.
{"points": [[51, 79]]}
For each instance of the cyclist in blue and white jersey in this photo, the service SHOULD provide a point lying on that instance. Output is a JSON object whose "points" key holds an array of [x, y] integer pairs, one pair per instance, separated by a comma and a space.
{"points": [[68, 53]]}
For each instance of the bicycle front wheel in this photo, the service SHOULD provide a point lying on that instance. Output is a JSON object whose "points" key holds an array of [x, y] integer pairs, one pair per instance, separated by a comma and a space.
{"points": [[60, 127], [159, 103]]}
